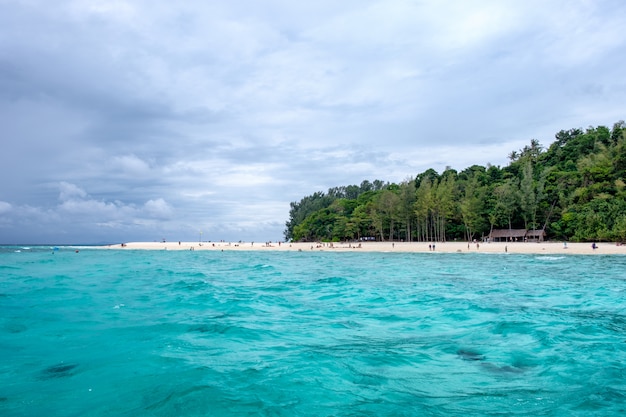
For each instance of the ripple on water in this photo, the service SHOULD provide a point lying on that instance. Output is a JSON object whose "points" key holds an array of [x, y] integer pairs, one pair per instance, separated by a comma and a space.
{"points": [[311, 334]]}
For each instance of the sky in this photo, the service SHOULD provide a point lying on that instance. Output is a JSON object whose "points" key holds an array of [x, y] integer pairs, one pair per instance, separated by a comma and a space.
{"points": [[136, 120]]}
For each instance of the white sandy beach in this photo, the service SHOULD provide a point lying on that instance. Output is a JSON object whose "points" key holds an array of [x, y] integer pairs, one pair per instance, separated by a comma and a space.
{"points": [[551, 248]]}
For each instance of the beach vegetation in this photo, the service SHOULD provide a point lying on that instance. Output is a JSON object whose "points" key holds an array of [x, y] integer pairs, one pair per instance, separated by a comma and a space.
{"points": [[575, 189]]}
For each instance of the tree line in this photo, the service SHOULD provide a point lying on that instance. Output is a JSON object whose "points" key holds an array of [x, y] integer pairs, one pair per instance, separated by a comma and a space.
{"points": [[573, 190]]}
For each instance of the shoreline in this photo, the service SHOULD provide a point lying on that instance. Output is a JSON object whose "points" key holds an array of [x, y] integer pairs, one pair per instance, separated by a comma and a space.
{"points": [[532, 248]]}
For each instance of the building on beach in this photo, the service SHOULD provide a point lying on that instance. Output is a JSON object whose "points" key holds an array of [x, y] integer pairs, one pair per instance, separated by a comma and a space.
{"points": [[516, 235]]}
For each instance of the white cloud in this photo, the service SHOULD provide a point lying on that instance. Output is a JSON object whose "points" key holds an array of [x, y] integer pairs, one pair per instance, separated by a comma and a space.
{"points": [[4, 207], [159, 118], [110, 9], [68, 191], [130, 164], [158, 209]]}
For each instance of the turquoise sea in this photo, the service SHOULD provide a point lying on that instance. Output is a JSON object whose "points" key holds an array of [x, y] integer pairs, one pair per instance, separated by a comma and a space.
{"points": [[202, 333]]}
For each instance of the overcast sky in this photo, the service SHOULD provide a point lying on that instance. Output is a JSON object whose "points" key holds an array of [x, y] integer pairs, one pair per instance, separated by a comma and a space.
{"points": [[143, 120]]}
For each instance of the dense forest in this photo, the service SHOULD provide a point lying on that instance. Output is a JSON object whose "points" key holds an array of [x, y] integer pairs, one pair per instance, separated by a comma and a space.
{"points": [[573, 190]]}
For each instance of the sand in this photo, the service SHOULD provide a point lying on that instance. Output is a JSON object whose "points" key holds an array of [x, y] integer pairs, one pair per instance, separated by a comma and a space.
{"points": [[547, 248]]}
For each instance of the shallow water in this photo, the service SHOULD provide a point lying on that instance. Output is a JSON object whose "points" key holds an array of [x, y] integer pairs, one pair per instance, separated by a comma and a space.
{"points": [[195, 333]]}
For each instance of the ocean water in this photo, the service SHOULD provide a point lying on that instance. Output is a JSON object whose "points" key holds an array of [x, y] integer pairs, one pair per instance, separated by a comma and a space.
{"points": [[201, 333]]}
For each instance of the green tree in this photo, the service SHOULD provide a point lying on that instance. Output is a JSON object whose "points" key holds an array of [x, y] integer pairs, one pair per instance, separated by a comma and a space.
{"points": [[385, 212], [444, 206], [576, 188], [527, 196], [424, 204], [507, 201], [471, 206], [406, 208]]}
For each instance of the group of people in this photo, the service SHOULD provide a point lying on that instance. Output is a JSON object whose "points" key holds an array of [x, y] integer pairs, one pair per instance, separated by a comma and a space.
{"points": [[478, 245]]}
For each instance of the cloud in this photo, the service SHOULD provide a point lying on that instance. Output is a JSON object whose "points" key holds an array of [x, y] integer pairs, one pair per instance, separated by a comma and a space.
{"points": [[158, 209], [4, 207], [5, 211], [133, 119], [130, 164], [70, 192]]}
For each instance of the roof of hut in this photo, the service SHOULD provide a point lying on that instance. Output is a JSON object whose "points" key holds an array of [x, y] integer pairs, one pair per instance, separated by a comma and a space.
{"points": [[534, 233], [501, 233]]}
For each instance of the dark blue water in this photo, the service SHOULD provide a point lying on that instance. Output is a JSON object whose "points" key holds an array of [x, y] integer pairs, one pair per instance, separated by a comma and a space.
{"points": [[194, 333]]}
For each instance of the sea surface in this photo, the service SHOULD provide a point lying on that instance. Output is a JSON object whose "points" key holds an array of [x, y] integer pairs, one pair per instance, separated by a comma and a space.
{"points": [[203, 333]]}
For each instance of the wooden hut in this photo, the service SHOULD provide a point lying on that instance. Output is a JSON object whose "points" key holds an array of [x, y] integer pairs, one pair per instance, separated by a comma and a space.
{"points": [[507, 235], [536, 235]]}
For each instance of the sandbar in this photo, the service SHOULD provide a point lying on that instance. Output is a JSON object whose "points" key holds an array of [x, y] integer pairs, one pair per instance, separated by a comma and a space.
{"points": [[538, 248]]}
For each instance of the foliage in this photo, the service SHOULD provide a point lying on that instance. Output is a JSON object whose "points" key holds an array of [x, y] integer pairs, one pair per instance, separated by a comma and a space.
{"points": [[574, 190]]}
